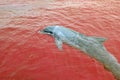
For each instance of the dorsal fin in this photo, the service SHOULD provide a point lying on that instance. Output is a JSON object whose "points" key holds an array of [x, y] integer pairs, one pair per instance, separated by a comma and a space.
{"points": [[100, 39]]}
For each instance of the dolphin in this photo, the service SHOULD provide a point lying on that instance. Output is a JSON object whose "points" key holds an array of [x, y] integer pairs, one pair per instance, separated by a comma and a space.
{"points": [[90, 45]]}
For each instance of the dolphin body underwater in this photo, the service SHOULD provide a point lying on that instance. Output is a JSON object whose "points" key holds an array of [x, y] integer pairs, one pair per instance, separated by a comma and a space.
{"points": [[92, 46]]}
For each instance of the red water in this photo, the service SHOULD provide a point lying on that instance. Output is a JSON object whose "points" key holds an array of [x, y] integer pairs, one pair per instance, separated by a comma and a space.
{"points": [[27, 55]]}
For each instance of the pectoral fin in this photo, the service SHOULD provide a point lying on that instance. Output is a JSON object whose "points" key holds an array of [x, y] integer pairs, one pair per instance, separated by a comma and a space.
{"points": [[58, 43], [100, 39]]}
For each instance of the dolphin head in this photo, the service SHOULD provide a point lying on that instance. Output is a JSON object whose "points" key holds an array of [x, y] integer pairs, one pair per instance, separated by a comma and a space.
{"points": [[54, 31], [48, 30]]}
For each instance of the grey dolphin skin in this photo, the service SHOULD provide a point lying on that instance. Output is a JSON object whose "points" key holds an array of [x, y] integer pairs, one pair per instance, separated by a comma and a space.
{"points": [[92, 46]]}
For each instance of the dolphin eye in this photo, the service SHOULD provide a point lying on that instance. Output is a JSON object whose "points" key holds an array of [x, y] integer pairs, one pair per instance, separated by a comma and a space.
{"points": [[48, 31]]}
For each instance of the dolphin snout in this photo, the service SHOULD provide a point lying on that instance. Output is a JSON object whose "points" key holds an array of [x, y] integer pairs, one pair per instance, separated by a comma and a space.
{"points": [[41, 31]]}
